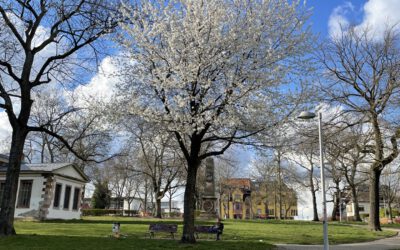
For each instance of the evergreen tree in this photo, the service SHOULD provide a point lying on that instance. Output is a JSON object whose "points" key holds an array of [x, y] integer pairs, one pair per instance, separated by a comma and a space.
{"points": [[101, 196]]}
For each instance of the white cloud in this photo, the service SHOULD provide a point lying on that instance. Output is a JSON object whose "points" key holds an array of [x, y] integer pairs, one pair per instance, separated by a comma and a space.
{"points": [[380, 13], [377, 15], [101, 87], [338, 20]]}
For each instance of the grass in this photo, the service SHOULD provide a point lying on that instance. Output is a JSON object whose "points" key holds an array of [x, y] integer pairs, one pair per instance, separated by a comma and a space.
{"points": [[394, 225], [93, 233]]}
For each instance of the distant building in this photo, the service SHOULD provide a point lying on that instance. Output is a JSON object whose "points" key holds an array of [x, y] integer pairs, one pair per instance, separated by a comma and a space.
{"points": [[126, 204], [242, 198], [47, 191], [174, 206], [364, 201]]}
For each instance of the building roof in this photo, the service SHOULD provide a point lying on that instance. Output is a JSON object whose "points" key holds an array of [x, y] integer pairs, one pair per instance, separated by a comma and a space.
{"points": [[45, 168], [238, 182]]}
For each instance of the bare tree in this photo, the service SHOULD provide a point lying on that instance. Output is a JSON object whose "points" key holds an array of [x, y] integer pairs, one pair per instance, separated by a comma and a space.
{"points": [[271, 171], [364, 78], [304, 171], [390, 188], [158, 159], [118, 172], [228, 167], [351, 146], [85, 129], [132, 189], [38, 42], [172, 191], [332, 155]]}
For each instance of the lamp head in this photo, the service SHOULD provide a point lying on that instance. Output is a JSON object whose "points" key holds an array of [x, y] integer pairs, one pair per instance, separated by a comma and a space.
{"points": [[306, 115]]}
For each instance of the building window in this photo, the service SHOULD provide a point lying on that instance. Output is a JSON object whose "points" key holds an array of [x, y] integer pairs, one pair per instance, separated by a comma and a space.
{"points": [[238, 206], [271, 211], [75, 203], [57, 195], [2, 186], [361, 209], [238, 197], [67, 196], [24, 195]]}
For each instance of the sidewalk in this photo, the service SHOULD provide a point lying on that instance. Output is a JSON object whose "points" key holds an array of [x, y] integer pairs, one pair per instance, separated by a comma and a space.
{"points": [[382, 244]]}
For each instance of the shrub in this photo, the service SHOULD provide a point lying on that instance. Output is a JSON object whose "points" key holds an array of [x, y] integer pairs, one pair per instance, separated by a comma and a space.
{"points": [[100, 212], [171, 215], [131, 212]]}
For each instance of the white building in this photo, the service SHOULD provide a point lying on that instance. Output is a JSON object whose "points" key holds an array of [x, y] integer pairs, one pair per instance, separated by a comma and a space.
{"points": [[47, 191]]}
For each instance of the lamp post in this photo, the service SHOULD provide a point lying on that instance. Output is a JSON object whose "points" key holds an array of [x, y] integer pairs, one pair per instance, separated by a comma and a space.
{"points": [[309, 115]]}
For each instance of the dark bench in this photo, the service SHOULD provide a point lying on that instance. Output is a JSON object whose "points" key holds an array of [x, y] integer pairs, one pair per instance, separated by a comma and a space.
{"points": [[163, 228], [204, 229]]}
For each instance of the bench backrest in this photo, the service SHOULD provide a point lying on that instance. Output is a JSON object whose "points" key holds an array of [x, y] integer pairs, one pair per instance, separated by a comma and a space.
{"points": [[203, 229], [170, 228]]}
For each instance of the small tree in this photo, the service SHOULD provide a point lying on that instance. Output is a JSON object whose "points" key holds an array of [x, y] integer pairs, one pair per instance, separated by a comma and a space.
{"points": [[101, 195], [302, 159], [158, 159]]}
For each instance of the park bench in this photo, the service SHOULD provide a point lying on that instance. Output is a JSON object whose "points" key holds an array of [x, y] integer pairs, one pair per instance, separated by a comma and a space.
{"points": [[209, 230], [163, 228]]}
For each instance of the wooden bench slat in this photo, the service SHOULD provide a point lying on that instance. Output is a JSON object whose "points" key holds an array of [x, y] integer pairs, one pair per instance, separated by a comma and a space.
{"points": [[166, 228], [204, 229]]}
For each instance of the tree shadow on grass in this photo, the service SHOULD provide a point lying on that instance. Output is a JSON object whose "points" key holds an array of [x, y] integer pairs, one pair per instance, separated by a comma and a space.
{"points": [[20, 242]]}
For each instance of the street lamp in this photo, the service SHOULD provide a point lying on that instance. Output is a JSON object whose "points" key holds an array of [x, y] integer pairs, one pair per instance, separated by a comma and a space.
{"points": [[309, 115]]}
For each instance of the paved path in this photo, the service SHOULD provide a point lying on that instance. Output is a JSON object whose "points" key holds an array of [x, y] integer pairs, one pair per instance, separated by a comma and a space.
{"points": [[383, 244]]}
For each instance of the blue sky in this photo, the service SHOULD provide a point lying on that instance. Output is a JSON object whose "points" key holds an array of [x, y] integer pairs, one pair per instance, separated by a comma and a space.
{"points": [[374, 13], [326, 16], [322, 9]]}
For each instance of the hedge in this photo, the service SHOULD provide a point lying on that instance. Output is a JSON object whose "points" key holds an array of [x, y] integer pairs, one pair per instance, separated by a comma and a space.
{"points": [[102, 212]]}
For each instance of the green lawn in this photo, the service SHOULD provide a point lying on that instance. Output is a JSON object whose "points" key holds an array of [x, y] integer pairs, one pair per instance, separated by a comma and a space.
{"points": [[93, 233], [394, 225]]}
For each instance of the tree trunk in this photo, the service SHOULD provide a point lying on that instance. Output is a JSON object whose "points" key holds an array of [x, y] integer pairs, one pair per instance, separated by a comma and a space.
{"points": [[280, 185], [190, 203], [357, 216], [170, 204], [145, 199], [11, 185], [158, 207], [314, 198], [390, 211], [374, 223], [335, 210], [314, 202], [275, 205], [229, 207]]}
